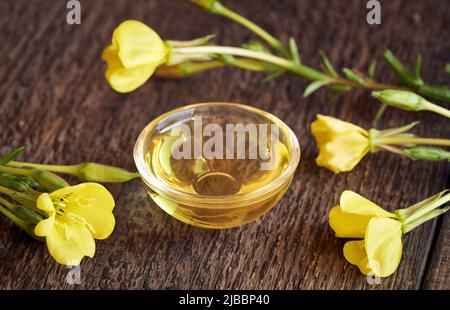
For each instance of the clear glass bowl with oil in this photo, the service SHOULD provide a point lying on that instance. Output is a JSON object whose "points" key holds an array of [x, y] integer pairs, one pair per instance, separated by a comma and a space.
{"points": [[205, 183]]}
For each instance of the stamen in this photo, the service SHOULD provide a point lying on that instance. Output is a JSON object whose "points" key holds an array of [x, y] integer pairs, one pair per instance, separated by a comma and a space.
{"points": [[84, 202], [76, 218]]}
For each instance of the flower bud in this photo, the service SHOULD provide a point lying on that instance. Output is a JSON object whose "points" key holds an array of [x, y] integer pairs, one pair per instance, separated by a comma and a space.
{"points": [[11, 182], [208, 5], [401, 99], [48, 180], [102, 173], [427, 153], [27, 215]]}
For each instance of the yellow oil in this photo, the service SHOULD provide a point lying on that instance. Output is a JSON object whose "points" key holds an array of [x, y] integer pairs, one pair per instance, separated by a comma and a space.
{"points": [[213, 178]]}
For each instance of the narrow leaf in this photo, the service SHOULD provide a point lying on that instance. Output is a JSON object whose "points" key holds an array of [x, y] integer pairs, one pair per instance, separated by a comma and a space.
{"points": [[274, 74], [417, 66], [294, 51], [333, 97], [256, 46], [400, 70], [372, 68], [380, 111], [11, 156], [352, 76], [313, 87], [328, 66]]}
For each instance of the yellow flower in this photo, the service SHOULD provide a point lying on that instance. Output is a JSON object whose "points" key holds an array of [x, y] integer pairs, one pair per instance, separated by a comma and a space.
{"points": [[341, 145], [357, 217], [350, 218], [381, 250], [76, 215], [134, 55]]}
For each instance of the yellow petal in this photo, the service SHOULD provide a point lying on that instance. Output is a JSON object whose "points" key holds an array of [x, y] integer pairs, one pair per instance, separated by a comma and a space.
{"points": [[138, 45], [69, 242], [44, 227], [121, 79], [343, 152], [87, 194], [341, 144], [44, 202], [325, 128], [348, 225], [354, 203], [355, 254], [92, 204], [383, 244], [99, 221]]}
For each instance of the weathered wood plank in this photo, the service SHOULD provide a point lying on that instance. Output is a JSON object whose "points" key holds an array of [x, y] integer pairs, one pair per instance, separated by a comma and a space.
{"points": [[54, 100]]}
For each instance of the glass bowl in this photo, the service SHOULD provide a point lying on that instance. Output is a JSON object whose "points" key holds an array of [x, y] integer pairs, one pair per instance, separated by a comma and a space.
{"points": [[216, 165]]}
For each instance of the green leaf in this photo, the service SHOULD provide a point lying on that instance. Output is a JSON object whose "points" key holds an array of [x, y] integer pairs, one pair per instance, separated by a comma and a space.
{"points": [[294, 51], [11, 156], [328, 66], [336, 91], [380, 111], [447, 68], [352, 76], [256, 46], [226, 59], [274, 74], [400, 70], [417, 66], [313, 87], [372, 68], [333, 97]]}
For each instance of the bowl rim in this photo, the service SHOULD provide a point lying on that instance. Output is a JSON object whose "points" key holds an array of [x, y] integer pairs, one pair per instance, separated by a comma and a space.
{"points": [[191, 199]]}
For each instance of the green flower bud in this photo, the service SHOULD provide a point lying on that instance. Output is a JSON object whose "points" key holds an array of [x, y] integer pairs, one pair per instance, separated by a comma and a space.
{"points": [[208, 5], [401, 99], [22, 216], [427, 153], [48, 180], [102, 173], [27, 215], [11, 182]]}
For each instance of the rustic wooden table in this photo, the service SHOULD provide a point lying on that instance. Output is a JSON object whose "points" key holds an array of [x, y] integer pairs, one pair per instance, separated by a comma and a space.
{"points": [[55, 100]]}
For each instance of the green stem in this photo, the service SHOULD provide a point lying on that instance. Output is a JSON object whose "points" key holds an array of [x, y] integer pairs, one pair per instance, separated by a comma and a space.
{"points": [[414, 81], [403, 214], [7, 191], [69, 169], [300, 70], [412, 140], [274, 42], [429, 216], [25, 199], [437, 109], [12, 217], [6, 203], [426, 209], [297, 69], [18, 171]]}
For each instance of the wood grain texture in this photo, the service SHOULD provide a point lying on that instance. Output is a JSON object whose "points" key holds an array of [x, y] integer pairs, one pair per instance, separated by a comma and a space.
{"points": [[54, 100]]}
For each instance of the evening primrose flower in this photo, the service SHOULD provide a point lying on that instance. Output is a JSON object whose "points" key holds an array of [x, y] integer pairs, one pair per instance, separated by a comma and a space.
{"points": [[380, 250], [341, 145], [350, 218], [135, 53], [76, 216]]}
